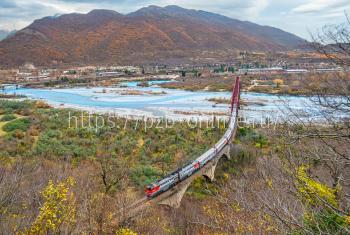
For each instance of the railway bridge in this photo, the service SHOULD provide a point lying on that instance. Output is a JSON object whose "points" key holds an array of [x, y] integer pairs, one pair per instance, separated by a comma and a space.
{"points": [[204, 165], [173, 196]]}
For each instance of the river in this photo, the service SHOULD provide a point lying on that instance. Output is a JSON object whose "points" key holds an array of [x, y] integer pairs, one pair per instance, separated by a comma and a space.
{"points": [[154, 101]]}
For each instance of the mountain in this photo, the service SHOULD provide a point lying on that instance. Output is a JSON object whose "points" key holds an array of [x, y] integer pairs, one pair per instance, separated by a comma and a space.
{"points": [[151, 34]]}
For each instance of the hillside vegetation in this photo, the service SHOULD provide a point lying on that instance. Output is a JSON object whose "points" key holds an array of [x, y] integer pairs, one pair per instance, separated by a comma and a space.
{"points": [[56, 178]]}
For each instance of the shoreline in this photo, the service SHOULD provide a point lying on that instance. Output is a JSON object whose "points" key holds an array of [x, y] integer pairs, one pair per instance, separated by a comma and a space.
{"points": [[129, 113], [247, 115]]}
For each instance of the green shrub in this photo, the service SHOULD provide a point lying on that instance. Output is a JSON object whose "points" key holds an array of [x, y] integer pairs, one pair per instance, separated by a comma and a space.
{"points": [[18, 124], [144, 175], [15, 105], [325, 221], [260, 141], [55, 143], [8, 117]]}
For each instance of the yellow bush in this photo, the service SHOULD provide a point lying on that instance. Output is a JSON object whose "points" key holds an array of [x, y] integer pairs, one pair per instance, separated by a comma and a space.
{"points": [[125, 231], [278, 82], [58, 209], [312, 190], [347, 220], [42, 105]]}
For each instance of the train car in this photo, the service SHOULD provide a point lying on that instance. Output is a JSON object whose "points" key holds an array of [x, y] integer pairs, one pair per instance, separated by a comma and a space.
{"points": [[189, 170], [221, 144], [228, 134], [206, 157]]}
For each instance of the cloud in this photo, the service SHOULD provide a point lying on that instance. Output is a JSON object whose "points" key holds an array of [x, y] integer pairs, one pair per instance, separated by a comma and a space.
{"points": [[20, 13], [248, 9], [316, 6], [7, 4]]}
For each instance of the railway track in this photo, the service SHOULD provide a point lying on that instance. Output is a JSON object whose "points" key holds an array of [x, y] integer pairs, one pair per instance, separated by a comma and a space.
{"points": [[178, 181]]}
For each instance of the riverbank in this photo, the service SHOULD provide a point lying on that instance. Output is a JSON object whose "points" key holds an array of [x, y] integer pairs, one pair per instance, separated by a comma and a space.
{"points": [[274, 84], [11, 96], [97, 81], [225, 84], [201, 84]]}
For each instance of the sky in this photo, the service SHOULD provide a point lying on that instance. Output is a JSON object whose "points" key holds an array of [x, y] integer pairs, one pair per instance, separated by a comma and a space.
{"points": [[296, 16]]}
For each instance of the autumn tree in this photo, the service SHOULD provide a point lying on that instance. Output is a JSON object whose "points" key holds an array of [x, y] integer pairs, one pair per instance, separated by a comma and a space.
{"points": [[57, 213]]}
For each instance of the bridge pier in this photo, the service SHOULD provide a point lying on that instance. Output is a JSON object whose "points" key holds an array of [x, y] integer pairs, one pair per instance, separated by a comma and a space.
{"points": [[210, 171], [174, 200]]}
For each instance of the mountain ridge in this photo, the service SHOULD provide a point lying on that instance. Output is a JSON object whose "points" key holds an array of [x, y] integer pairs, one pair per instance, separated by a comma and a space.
{"points": [[149, 34]]}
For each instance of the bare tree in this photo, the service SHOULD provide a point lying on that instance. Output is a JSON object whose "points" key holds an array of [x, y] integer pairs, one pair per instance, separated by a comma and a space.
{"points": [[333, 41], [113, 172], [315, 152], [10, 182]]}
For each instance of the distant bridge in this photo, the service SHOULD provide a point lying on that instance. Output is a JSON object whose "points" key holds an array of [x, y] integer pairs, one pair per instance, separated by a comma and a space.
{"points": [[176, 184]]}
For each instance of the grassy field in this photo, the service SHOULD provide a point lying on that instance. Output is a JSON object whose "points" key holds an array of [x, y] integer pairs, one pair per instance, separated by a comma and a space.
{"points": [[150, 151]]}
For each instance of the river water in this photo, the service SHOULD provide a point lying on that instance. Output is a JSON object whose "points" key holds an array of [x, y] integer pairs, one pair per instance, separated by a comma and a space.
{"points": [[154, 101]]}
